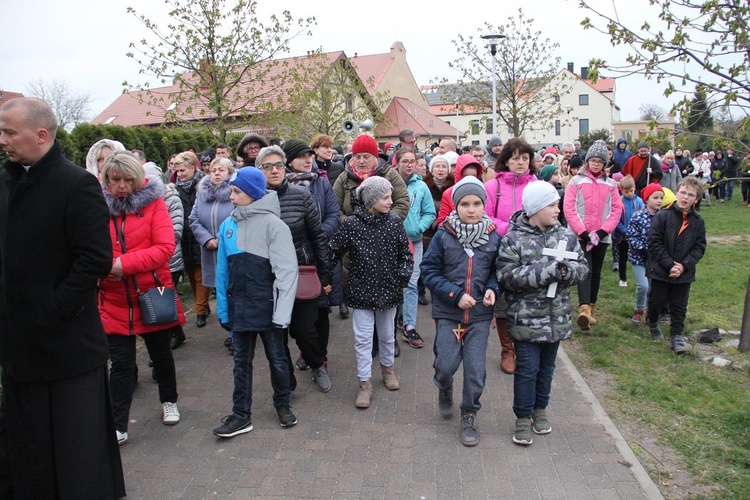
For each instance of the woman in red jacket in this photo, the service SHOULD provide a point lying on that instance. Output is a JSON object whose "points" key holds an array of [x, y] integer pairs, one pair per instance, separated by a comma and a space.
{"points": [[142, 243]]}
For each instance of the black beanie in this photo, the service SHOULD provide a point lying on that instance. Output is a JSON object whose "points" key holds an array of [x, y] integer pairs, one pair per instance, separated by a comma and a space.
{"points": [[294, 148]]}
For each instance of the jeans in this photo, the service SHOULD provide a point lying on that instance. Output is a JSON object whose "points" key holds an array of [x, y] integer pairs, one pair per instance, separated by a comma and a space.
{"points": [[730, 190], [122, 375], [244, 351], [641, 287], [532, 380], [410, 292], [364, 322], [588, 289], [676, 295], [472, 350]]}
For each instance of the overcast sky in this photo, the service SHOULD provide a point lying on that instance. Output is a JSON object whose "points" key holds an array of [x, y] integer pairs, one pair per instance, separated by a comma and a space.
{"points": [[84, 42]]}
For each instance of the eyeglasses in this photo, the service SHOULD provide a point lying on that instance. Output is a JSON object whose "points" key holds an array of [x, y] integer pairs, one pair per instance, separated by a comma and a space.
{"points": [[409, 143], [252, 148], [407, 162], [596, 161], [279, 165]]}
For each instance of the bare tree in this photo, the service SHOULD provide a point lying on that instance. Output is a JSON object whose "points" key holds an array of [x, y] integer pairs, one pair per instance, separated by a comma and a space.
{"points": [[70, 107], [221, 58], [650, 111], [525, 68]]}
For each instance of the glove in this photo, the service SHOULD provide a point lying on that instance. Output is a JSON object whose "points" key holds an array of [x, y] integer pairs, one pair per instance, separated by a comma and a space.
{"points": [[593, 241], [602, 234], [226, 326], [584, 236]]}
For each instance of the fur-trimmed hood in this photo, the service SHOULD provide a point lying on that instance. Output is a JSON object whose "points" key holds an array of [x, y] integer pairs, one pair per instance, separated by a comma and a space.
{"points": [[208, 192], [151, 190]]}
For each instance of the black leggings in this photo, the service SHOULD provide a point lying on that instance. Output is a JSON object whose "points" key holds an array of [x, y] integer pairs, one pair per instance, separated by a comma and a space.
{"points": [[588, 289]]}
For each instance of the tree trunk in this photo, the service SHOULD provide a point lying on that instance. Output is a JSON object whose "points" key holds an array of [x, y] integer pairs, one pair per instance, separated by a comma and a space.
{"points": [[745, 331]]}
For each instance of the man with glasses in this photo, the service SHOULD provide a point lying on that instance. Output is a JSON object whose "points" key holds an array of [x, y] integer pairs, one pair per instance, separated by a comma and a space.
{"points": [[249, 147], [477, 152]]}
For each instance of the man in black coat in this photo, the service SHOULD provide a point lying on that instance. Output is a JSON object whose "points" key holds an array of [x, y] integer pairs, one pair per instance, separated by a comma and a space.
{"points": [[57, 434]]}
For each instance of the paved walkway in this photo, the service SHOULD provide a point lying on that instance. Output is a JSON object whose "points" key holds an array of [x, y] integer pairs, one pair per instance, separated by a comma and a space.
{"points": [[399, 448]]}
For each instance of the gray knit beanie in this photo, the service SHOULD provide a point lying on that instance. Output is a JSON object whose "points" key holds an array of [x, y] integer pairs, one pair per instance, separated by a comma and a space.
{"points": [[598, 150], [468, 185], [372, 189]]}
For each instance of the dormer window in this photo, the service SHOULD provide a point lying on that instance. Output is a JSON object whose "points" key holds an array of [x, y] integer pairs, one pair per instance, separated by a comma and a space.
{"points": [[110, 120]]}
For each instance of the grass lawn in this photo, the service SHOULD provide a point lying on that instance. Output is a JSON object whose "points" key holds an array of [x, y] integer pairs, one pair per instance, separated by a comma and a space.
{"points": [[699, 411]]}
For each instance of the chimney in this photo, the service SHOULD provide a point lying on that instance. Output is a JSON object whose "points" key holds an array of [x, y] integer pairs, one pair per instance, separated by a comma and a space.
{"points": [[355, 54], [571, 67], [585, 72]]}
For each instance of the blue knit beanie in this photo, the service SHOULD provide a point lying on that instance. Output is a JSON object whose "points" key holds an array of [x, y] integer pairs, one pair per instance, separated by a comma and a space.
{"points": [[251, 181]]}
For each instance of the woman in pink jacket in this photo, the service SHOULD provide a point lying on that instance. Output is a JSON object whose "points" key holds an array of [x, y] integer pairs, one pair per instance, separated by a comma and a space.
{"points": [[514, 169], [592, 208]]}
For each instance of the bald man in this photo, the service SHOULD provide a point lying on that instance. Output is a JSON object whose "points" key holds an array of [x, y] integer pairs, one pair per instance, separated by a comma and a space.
{"points": [[57, 434]]}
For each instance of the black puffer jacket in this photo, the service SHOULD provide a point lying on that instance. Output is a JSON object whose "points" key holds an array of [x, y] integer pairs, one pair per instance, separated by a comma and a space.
{"points": [[380, 262], [300, 213], [666, 245], [332, 169], [191, 249]]}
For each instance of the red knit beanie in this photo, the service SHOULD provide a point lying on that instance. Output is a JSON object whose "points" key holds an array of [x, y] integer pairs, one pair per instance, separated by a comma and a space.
{"points": [[365, 144], [649, 190]]}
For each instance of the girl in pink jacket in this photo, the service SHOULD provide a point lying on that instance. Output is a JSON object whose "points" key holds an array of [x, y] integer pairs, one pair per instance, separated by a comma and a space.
{"points": [[592, 208]]}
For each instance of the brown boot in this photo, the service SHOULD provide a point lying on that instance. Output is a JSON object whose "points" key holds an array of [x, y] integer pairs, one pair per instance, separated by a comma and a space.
{"points": [[593, 314], [364, 394], [389, 378], [584, 317], [508, 354]]}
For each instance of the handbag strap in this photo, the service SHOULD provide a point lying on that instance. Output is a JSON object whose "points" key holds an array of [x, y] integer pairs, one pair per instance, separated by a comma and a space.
{"points": [[121, 237]]}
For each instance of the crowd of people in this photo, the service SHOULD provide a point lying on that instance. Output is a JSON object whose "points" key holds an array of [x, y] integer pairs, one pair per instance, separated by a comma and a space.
{"points": [[287, 230]]}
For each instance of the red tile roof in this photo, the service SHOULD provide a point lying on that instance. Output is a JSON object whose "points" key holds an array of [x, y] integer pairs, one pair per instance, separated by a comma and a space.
{"points": [[603, 84], [139, 108], [6, 96], [404, 114], [372, 69]]}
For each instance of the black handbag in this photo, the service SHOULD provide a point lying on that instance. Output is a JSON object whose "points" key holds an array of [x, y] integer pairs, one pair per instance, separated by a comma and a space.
{"points": [[159, 304]]}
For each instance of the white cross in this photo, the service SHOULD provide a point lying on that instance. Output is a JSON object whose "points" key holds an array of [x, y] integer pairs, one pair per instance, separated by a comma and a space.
{"points": [[559, 254]]}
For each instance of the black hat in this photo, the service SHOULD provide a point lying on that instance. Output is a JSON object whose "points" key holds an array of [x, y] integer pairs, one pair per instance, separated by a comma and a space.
{"points": [[294, 148], [208, 155]]}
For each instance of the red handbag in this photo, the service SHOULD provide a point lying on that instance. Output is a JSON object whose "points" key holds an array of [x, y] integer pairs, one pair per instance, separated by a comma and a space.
{"points": [[308, 283]]}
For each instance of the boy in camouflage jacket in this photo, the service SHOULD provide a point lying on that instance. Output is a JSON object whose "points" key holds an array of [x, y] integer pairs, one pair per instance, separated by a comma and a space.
{"points": [[537, 289]]}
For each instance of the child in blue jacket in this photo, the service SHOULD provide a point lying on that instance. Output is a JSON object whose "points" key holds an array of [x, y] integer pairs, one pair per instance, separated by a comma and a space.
{"points": [[256, 281], [459, 270]]}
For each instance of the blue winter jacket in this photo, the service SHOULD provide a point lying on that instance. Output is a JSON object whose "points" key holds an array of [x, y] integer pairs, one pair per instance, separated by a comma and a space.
{"points": [[421, 208], [449, 272], [621, 156], [629, 207], [256, 286]]}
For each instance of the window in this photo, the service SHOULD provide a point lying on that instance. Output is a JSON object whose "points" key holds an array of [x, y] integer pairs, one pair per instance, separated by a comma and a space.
{"points": [[583, 100], [110, 120], [474, 124], [557, 127], [557, 98], [349, 104], [172, 106], [488, 127], [583, 126], [475, 143]]}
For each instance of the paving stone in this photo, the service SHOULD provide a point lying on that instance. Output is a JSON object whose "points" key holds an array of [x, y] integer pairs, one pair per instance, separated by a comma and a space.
{"points": [[398, 448]]}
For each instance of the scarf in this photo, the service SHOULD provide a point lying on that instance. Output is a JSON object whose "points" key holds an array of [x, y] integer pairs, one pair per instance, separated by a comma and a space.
{"points": [[185, 185], [209, 192], [363, 175], [470, 235], [666, 168], [303, 179]]}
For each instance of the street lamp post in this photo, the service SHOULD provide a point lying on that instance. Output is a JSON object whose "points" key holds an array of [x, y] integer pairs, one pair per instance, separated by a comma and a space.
{"points": [[458, 141], [568, 124], [493, 41]]}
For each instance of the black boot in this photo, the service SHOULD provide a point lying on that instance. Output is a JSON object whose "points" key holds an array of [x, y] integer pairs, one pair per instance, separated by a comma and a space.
{"points": [[343, 310]]}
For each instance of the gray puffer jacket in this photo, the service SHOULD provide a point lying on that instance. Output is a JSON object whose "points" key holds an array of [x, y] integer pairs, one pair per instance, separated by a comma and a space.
{"points": [[525, 273]]}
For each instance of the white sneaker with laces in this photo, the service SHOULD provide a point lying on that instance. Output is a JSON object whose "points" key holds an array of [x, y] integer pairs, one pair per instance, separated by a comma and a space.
{"points": [[623, 284], [171, 413], [122, 437]]}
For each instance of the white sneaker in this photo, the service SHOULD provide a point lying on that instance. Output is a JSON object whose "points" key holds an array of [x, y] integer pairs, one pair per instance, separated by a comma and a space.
{"points": [[171, 413], [623, 284], [122, 437]]}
